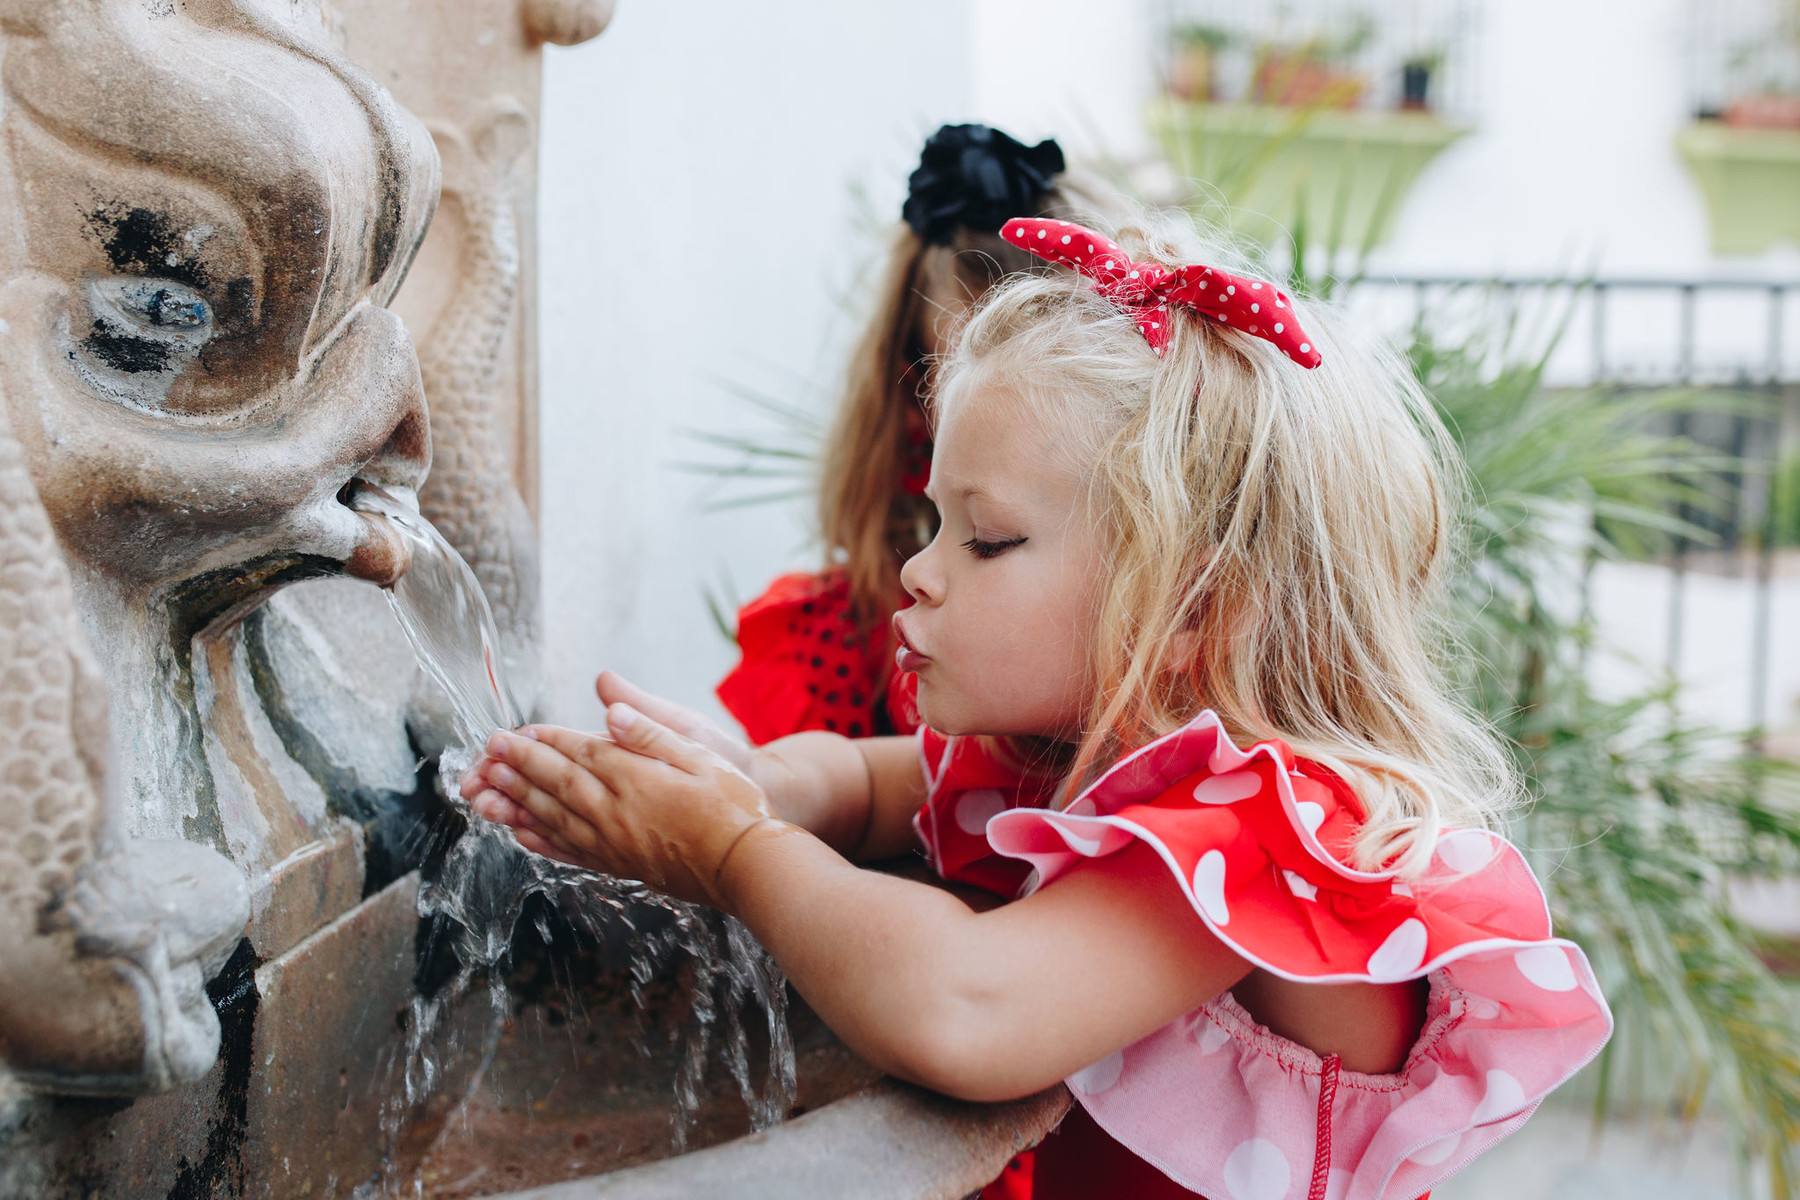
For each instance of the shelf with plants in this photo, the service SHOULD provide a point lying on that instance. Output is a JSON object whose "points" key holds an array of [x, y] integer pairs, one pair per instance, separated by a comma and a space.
{"points": [[1277, 167], [1743, 148], [1319, 136], [1750, 179]]}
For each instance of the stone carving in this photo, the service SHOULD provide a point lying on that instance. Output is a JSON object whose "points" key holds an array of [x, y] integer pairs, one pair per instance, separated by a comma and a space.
{"points": [[472, 69], [104, 948], [566, 22], [471, 495], [203, 212]]}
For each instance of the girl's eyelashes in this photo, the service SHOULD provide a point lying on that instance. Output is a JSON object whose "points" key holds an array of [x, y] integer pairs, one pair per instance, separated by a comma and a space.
{"points": [[984, 549]]}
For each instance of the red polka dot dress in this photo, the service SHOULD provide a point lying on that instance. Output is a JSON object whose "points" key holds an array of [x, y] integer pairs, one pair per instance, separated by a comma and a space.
{"points": [[806, 665], [1258, 841], [805, 662]]}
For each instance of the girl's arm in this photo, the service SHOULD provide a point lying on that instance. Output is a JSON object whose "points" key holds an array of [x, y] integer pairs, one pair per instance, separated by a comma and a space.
{"points": [[985, 1006], [858, 797]]}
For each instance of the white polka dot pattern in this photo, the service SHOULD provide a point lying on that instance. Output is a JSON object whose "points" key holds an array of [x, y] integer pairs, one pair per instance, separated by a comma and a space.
{"points": [[975, 806], [1466, 849], [1401, 954], [1143, 289], [1228, 789], [1257, 1170], [1548, 967], [1209, 887], [1097, 1078], [1249, 865], [1438, 1151], [1299, 886], [1504, 1097]]}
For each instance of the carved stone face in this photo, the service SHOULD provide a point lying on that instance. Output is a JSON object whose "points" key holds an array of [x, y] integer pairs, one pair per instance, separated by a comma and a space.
{"points": [[202, 214]]}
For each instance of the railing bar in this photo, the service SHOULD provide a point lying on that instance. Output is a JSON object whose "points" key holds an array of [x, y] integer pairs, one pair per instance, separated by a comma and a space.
{"points": [[1777, 328], [1599, 333]]}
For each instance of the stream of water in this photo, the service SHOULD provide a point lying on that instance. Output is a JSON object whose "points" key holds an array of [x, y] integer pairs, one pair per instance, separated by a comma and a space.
{"points": [[487, 880]]}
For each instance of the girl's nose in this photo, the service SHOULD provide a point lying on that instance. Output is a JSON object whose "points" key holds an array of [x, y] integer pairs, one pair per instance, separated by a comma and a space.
{"points": [[920, 578]]}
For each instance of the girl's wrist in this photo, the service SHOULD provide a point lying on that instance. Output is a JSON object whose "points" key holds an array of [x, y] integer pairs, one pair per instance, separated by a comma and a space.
{"points": [[738, 857]]}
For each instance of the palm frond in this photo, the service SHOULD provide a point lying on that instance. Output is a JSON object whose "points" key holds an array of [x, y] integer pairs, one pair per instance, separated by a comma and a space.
{"points": [[1638, 817]]}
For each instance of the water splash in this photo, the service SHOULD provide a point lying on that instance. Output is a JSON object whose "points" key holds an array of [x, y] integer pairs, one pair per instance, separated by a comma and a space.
{"points": [[486, 879]]}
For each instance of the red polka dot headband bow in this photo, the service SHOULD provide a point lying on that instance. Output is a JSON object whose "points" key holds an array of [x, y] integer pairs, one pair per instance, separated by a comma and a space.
{"points": [[1145, 290]]}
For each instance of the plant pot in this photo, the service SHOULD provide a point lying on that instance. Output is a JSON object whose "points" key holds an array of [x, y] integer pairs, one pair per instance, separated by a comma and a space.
{"points": [[1304, 81], [1415, 86], [1191, 74], [1772, 111]]}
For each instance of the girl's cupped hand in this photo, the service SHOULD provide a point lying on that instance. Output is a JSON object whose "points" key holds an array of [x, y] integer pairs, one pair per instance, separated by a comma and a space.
{"points": [[641, 802]]}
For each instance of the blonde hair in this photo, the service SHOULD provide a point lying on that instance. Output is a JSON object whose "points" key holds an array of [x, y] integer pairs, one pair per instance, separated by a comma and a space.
{"points": [[861, 523], [1275, 538]]}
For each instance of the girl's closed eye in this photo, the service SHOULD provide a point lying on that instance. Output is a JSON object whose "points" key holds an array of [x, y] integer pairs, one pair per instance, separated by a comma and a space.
{"points": [[982, 548]]}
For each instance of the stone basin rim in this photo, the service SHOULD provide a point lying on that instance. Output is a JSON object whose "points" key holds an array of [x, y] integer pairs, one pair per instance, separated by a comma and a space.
{"points": [[888, 1141]]}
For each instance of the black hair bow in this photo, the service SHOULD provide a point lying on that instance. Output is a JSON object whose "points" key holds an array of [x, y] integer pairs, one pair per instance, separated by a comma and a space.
{"points": [[974, 177]]}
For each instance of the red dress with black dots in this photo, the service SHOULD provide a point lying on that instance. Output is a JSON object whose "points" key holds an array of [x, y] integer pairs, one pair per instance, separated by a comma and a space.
{"points": [[1217, 1106], [805, 663]]}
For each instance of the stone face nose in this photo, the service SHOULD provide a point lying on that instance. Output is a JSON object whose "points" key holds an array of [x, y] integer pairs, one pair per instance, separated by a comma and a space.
{"points": [[400, 463]]}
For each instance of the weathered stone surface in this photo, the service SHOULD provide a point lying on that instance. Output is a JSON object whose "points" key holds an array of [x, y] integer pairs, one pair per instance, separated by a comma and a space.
{"points": [[472, 70], [308, 889], [327, 1050], [891, 1142], [205, 211]]}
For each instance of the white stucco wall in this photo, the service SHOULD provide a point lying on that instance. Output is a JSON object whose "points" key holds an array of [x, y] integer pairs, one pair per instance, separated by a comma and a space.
{"points": [[699, 227]]}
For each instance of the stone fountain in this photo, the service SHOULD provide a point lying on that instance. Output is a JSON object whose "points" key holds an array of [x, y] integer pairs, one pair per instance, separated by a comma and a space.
{"points": [[217, 790]]}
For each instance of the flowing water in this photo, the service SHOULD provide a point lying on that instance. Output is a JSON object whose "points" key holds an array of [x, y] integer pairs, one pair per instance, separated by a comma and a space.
{"points": [[486, 879]]}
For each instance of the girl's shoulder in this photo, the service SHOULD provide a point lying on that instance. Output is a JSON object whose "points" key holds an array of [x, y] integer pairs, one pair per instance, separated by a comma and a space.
{"points": [[1258, 842]]}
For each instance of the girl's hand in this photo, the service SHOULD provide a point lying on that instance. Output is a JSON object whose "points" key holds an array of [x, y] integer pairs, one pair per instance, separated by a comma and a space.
{"points": [[645, 803], [613, 688]]}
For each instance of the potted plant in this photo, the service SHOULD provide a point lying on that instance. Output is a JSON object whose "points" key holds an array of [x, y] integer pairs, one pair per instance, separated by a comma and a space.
{"points": [[1316, 73], [1415, 80], [1192, 73]]}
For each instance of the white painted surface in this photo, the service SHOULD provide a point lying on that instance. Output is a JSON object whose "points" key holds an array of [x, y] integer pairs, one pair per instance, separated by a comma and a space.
{"points": [[1076, 70], [1572, 164], [698, 226]]}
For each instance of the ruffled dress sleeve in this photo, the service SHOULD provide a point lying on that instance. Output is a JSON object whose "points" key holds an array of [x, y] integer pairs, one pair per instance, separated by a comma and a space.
{"points": [[805, 665], [1258, 843], [968, 781]]}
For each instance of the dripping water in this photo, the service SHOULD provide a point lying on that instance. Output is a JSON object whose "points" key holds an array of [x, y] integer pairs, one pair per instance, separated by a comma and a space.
{"points": [[486, 879]]}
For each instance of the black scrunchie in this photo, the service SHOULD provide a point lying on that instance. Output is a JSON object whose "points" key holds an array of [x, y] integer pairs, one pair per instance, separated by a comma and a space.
{"points": [[977, 178]]}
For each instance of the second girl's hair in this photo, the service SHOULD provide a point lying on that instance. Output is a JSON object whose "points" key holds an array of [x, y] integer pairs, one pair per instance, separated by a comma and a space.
{"points": [[864, 452], [1275, 539]]}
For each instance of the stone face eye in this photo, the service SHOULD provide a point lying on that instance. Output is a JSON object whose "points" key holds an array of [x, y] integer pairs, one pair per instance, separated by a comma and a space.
{"points": [[143, 328], [164, 305]]}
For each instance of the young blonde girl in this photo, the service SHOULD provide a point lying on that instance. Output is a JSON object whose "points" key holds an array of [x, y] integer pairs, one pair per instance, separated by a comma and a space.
{"points": [[1262, 928]]}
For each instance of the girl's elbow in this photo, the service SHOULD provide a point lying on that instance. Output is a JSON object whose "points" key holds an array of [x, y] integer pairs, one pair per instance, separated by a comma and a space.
{"points": [[966, 1066]]}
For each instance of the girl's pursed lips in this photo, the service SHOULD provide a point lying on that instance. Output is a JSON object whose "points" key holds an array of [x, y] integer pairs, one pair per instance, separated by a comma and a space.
{"points": [[906, 658]]}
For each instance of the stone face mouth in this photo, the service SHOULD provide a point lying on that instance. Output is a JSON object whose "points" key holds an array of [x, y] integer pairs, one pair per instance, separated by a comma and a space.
{"points": [[381, 555]]}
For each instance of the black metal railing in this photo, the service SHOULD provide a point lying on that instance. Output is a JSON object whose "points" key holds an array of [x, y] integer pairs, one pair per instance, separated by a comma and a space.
{"points": [[1713, 334]]}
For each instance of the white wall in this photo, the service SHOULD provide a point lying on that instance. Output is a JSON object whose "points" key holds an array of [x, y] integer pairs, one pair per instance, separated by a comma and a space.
{"points": [[1572, 163], [698, 225], [1075, 70]]}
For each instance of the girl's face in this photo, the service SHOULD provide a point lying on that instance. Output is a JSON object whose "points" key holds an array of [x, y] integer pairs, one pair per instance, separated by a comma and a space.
{"points": [[1005, 595]]}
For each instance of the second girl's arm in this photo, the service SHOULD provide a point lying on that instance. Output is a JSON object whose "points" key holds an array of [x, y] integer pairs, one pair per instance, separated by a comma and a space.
{"points": [[858, 797]]}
